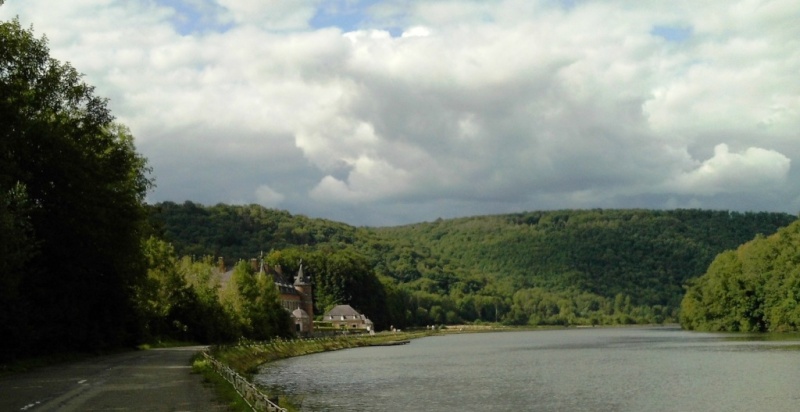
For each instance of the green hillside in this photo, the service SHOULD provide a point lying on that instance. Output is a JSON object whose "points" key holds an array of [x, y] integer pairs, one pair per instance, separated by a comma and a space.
{"points": [[645, 254], [557, 267], [241, 232]]}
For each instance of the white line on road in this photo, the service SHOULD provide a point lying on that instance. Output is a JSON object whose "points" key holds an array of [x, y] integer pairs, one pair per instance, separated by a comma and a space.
{"points": [[30, 405]]}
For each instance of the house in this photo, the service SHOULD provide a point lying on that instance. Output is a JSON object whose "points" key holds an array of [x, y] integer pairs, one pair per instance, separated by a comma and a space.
{"points": [[344, 316]]}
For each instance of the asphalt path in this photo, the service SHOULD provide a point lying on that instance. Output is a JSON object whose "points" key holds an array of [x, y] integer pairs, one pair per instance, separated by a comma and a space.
{"points": [[151, 380]]}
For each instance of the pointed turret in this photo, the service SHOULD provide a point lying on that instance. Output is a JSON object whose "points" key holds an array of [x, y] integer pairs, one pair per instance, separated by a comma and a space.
{"points": [[300, 279], [302, 284]]}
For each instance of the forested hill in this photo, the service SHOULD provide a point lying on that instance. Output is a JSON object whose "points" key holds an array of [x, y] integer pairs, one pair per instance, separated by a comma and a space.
{"points": [[536, 267], [645, 254], [241, 232]]}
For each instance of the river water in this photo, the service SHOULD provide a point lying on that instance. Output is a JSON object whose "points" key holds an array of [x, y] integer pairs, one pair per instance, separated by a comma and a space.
{"points": [[625, 369]]}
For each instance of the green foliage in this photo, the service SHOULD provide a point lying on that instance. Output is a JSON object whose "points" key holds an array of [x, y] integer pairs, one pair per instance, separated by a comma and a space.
{"points": [[158, 294], [241, 232], [569, 267], [17, 248], [632, 262], [185, 300], [253, 299], [752, 289], [225, 390], [71, 206]]}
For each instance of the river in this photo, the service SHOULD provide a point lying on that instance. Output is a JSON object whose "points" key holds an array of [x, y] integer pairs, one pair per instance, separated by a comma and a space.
{"points": [[602, 369]]}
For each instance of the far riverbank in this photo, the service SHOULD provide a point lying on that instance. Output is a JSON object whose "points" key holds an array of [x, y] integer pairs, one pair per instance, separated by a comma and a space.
{"points": [[247, 356]]}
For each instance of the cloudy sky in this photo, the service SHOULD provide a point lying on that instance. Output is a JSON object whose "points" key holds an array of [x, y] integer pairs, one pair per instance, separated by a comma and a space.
{"points": [[398, 111]]}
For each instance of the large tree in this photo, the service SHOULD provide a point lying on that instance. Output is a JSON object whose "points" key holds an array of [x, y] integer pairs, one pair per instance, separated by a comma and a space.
{"points": [[73, 185], [755, 288]]}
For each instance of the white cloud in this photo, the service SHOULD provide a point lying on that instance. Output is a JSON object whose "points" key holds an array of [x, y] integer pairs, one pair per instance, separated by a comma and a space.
{"points": [[752, 170], [438, 108], [417, 31], [267, 196], [369, 180]]}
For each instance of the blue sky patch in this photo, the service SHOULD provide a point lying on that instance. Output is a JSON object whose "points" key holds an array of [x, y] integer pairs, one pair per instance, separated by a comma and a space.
{"points": [[344, 14], [672, 33], [195, 17], [346, 21], [348, 15]]}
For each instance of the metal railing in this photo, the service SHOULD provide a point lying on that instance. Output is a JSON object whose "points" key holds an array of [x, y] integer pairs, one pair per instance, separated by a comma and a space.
{"points": [[249, 392]]}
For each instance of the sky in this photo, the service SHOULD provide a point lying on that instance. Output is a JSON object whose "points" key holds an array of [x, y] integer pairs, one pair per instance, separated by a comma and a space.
{"points": [[389, 112]]}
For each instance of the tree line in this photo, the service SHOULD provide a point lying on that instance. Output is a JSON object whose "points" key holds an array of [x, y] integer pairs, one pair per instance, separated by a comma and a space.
{"points": [[72, 211], [558, 267], [533, 268]]}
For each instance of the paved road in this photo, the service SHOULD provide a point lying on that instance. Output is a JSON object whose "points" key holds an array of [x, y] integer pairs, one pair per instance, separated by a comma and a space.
{"points": [[153, 380]]}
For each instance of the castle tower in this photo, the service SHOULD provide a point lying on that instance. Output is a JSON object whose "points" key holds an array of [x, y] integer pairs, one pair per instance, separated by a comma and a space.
{"points": [[302, 284]]}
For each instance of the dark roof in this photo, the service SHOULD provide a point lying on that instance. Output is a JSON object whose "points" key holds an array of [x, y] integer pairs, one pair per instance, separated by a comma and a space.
{"points": [[301, 279], [343, 310], [283, 284]]}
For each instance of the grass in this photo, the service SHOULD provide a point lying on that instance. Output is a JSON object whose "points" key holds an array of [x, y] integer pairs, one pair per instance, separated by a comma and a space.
{"points": [[225, 392], [245, 358], [167, 343]]}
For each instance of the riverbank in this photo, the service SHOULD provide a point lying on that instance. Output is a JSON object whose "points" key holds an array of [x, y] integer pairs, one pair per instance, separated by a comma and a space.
{"points": [[247, 356]]}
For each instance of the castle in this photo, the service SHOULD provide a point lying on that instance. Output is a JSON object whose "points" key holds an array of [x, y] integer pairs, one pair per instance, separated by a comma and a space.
{"points": [[296, 297]]}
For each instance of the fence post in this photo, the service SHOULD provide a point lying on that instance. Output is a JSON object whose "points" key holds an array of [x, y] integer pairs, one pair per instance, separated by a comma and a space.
{"points": [[249, 392]]}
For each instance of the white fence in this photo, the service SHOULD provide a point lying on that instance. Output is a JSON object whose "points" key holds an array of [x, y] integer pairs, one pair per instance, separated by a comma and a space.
{"points": [[249, 392]]}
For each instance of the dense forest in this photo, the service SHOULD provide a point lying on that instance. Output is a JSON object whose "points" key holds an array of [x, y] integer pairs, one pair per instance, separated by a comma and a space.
{"points": [[556, 267], [72, 211], [754, 288]]}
